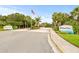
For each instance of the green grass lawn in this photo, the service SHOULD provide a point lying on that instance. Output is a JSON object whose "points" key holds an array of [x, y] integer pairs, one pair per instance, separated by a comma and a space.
{"points": [[72, 38]]}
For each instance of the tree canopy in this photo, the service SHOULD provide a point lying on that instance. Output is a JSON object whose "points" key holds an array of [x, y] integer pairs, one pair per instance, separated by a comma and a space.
{"points": [[60, 18], [19, 20]]}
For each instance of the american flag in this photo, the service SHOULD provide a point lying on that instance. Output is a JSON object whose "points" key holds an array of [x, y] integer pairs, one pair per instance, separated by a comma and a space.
{"points": [[33, 12]]}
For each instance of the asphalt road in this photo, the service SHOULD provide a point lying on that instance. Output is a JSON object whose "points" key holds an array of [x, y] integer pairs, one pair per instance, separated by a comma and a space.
{"points": [[24, 42]]}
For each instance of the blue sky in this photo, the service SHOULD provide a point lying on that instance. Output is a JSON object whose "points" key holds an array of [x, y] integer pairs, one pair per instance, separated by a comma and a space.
{"points": [[45, 11]]}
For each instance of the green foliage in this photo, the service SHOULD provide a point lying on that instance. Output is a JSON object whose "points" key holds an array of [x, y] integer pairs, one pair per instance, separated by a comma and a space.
{"points": [[1, 28], [61, 32], [45, 24], [15, 27], [35, 24], [37, 20], [17, 20], [60, 18], [34, 27], [73, 20]]}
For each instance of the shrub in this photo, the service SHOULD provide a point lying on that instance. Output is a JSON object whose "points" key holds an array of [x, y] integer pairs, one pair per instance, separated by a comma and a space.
{"points": [[61, 32], [34, 27]]}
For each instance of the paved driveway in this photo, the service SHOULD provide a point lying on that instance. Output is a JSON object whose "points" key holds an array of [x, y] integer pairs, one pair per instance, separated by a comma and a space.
{"points": [[24, 42]]}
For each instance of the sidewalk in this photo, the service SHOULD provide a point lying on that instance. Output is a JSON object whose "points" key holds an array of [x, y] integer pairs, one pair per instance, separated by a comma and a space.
{"points": [[63, 45], [43, 30], [26, 29], [34, 30]]}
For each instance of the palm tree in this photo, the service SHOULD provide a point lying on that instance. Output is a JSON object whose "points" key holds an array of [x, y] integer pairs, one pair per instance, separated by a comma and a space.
{"points": [[28, 21], [59, 19], [75, 14], [37, 20]]}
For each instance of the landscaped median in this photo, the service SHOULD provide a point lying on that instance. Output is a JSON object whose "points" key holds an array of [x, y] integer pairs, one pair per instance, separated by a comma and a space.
{"points": [[63, 45]]}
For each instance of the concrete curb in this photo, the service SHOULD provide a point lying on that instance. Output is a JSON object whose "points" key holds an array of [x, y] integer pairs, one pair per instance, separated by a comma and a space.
{"points": [[61, 44], [53, 45]]}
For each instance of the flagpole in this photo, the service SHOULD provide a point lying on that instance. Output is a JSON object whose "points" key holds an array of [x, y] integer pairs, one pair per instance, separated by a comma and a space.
{"points": [[33, 13]]}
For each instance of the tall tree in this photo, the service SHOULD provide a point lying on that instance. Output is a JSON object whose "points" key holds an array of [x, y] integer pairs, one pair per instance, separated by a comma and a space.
{"points": [[75, 13], [59, 19], [3, 20], [28, 21], [37, 20], [16, 19]]}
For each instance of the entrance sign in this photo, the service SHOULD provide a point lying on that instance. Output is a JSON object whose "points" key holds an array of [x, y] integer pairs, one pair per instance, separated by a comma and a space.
{"points": [[7, 27], [66, 28]]}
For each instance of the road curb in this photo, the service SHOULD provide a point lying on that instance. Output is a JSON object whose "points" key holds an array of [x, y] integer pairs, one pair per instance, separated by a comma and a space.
{"points": [[55, 48], [61, 44]]}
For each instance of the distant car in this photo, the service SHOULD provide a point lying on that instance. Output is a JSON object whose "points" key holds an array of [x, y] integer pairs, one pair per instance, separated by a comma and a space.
{"points": [[8, 27]]}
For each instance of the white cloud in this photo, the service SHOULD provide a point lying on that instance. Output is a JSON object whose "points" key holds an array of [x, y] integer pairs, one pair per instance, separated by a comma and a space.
{"points": [[6, 11], [46, 19]]}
